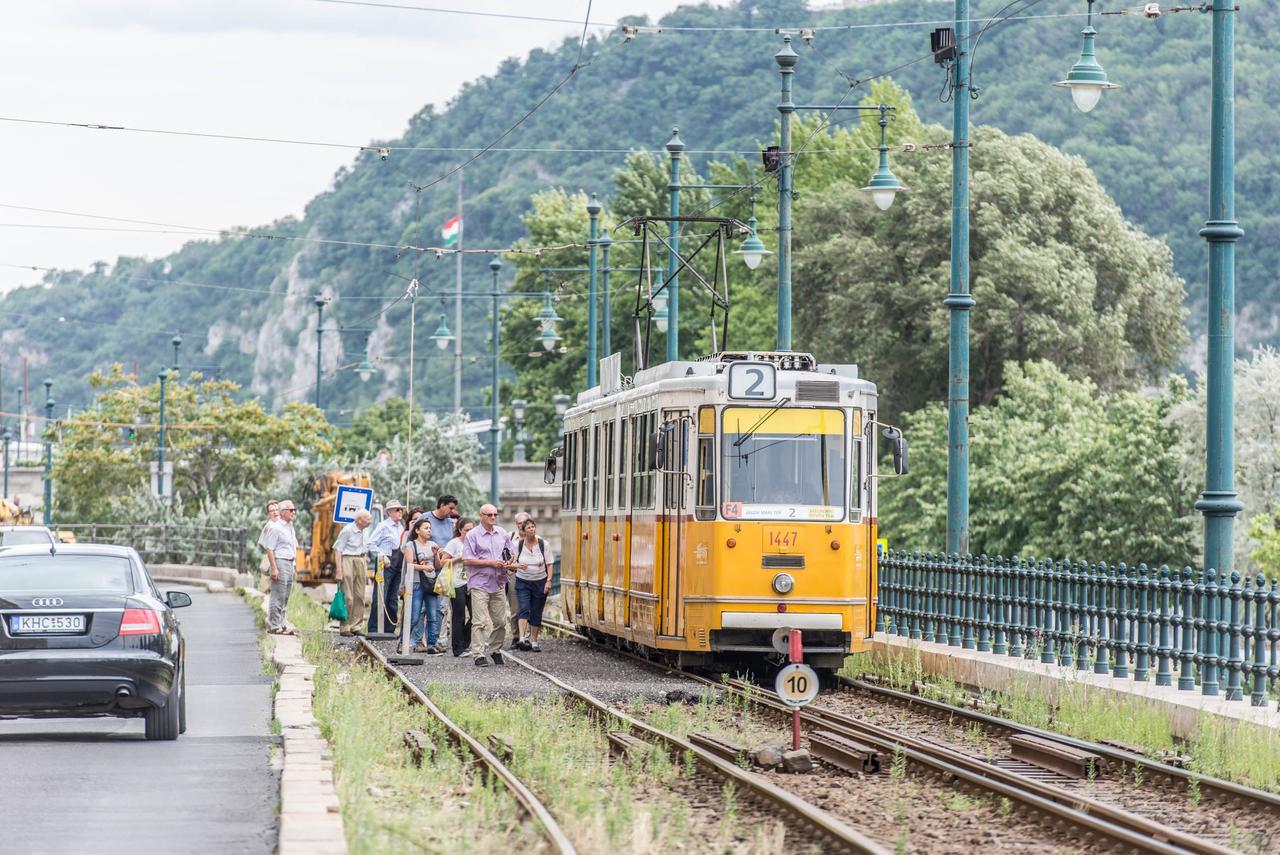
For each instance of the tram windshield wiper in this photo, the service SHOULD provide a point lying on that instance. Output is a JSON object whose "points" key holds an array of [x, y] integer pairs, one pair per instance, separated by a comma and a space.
{"points": [[737, 443]]}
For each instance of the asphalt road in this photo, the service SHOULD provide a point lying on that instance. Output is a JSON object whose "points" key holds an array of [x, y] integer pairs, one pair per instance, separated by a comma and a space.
{"points": [[95, 785]]}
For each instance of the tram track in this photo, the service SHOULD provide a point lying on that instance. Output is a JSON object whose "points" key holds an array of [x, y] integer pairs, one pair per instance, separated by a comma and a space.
{"points": [[1115, 822], [529, 803]]}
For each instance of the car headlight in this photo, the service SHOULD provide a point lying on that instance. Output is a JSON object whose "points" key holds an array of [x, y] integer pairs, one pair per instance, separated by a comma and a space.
{"points": [[783, 583]]}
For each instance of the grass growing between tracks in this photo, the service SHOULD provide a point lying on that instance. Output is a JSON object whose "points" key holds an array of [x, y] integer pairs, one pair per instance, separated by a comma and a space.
{"points": [[640, 805], [1244, 754], [390, 805]]}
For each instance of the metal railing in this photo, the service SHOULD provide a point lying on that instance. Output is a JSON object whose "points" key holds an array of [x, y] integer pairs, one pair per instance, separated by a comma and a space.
{"points": [[1199, 629], [161, 543]]}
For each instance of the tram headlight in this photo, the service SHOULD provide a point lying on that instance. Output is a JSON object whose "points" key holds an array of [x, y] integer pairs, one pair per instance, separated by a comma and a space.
{"points": [[783, 583]]}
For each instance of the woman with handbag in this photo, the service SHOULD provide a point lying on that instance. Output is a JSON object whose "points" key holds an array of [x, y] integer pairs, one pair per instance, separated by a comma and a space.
{"points": [[533, 584], [419, 559], [460, 614]]}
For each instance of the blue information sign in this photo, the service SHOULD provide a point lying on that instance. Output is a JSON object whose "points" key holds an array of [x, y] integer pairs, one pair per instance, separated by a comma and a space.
{"points": [[350, 501]]}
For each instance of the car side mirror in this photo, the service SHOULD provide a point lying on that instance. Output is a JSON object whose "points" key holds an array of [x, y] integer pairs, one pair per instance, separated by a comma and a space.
{"points": [[898, 444], [549, 470], [177, 599]]}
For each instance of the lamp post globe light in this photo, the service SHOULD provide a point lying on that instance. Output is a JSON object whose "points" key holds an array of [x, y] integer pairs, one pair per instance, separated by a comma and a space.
{"points": [[177, 346], [753, 250], [365, 369], [884, 186], [442, 337], [561, 403], [517, 414], [1087, 80]]}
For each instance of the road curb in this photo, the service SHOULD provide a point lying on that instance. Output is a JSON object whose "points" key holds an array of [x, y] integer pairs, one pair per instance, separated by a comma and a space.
{"points": [[208, 584], [310, 813]]}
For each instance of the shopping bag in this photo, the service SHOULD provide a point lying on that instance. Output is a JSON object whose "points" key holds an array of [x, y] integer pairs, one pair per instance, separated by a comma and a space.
{"points": [[444, 582], [338, 608]]}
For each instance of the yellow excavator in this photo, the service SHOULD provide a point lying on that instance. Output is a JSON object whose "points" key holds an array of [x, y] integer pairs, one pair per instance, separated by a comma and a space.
{"points": [[318, 564], [11, 514]]}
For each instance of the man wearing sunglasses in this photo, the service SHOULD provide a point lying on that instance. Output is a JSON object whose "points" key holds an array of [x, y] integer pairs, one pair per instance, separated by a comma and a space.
{"points": [[486, 553]]}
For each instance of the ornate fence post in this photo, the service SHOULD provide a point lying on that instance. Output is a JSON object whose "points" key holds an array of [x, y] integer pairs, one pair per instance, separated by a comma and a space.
{"points": [[1081, 605], [1186, 675], [1062, 623], [1258, 697], [1100, 663], [968, 569], [1209, 636], [984, 605], [1164, 677], [942, 608], [1144, 625], [1119, 582], [954, 620], [998, 606], [1234, 658], [1273, 634], [1046, 617], [1015, 607]]}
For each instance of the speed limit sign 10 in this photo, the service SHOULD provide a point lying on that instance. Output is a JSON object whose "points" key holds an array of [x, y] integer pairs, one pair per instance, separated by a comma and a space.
{"points": [[796, 684]]}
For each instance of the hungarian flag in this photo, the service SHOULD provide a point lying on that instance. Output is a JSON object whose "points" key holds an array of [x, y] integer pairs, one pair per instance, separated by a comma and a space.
{"points": [[451, 230]]}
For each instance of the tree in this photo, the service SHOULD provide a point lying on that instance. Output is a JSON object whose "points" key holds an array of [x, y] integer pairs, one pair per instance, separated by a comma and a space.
{"points": [[444, 459], [1257, 451], [1057, 273], [217, 443], [1058, 470], [374, 427]]}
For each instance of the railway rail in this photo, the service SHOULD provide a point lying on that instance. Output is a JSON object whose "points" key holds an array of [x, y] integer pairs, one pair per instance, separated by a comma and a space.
{"points": [[1260, 804], [493, 766], [857, 746]]}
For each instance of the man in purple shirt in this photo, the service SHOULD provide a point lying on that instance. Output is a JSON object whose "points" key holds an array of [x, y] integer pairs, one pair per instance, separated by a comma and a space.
{"points": [[486, 553]]}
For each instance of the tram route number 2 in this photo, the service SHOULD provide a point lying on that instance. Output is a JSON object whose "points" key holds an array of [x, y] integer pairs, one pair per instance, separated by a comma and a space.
{"points": [[796, 684]]}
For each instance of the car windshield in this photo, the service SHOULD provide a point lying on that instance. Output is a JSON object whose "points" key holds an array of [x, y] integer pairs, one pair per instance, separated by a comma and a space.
{"points": [[44, 573], [23, 537], [792, 467]]}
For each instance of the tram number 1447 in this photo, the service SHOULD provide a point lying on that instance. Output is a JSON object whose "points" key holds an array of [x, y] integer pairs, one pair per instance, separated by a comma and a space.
{"points": [[796, 684]]}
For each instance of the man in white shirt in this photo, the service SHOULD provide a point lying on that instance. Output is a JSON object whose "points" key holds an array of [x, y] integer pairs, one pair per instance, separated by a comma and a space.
{"points": [[385, 543], [281, 544], [352, 548]]}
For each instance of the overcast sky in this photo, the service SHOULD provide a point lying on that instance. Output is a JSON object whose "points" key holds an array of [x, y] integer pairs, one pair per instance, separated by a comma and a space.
{"points": [[271, 68]]}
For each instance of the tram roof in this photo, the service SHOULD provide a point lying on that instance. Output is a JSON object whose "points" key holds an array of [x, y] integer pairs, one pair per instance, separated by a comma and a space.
{"points": [[792, 366]]}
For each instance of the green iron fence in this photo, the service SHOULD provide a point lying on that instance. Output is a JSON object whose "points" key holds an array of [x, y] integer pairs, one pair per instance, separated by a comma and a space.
{"points": [[1198, 629], [160, 543]]}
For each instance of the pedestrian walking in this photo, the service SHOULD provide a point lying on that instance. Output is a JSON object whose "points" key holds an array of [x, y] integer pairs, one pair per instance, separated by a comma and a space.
{"points": [[352, 549], [384, 543], [459, 603], [420, 563], [533, 583], [281, 543], [513, 604], [486, 552]]}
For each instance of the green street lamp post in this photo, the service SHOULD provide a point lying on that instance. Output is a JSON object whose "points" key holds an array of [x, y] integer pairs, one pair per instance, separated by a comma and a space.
{"points": [[675, 148], [959, 301], [593, 212], [561, 403], [164, 375], [883, 187], [8, 435], [495, 265], [1218, 502], [606, 343], [48, 453], [319, 301]]}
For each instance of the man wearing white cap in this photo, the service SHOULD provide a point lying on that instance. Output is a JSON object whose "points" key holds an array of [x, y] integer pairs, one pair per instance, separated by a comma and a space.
{"points": [[385, 543], [281, 544]]}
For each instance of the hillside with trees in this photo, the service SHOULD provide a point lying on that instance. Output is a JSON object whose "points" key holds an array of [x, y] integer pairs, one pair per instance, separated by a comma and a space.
{"points": [[1147, 143]]}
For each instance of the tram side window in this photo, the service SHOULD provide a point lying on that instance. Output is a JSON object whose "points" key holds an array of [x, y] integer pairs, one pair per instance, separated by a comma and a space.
{"points": [[705, 506], [642, 476], [622, 462], [855, 495], [608, 465], [583, 462], [567, 483]]}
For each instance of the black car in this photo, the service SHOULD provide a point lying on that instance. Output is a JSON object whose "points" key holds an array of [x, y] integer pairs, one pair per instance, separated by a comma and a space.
{"points": [[85, 632]]}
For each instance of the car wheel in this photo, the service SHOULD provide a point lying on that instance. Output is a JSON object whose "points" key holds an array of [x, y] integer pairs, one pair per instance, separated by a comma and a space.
{"points": [[182, 705], [162, 722]]}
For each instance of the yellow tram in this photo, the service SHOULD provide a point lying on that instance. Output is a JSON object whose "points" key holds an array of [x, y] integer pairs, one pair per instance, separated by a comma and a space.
{"points": [[707, 504]]}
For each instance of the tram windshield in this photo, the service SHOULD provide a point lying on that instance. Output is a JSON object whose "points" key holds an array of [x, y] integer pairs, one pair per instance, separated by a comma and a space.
{"points": [[791, 466]]}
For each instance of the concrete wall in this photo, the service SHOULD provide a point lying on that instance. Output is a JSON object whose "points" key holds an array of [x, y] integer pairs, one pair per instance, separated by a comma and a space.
{"points": [[26, 486]]}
